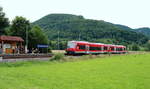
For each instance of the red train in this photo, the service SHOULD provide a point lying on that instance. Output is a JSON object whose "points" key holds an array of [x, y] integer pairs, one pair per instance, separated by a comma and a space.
{"points": [[82, 47]]}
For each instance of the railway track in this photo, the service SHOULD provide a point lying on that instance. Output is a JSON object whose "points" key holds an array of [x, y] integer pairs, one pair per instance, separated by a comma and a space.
{"points": [[18, 56], [26, 57]]}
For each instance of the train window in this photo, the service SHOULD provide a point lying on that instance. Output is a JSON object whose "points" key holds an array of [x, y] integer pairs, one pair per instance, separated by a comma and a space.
{"points": [[105, 48], [117, 49], [124, 48], [120, 49], [93, 48], [71, 45], [82, 47], [99, 48], [112, 48]]}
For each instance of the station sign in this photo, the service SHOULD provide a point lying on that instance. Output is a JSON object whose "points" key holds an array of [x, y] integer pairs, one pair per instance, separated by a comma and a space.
{"points": [[42, 46]]}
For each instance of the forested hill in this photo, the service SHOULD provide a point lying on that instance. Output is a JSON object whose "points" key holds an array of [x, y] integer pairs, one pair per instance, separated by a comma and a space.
{"points": [[72, 27], [144, 30]]}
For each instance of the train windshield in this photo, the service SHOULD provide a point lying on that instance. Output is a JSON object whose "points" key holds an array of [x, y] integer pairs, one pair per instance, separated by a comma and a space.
{"points": [[71, 45]]}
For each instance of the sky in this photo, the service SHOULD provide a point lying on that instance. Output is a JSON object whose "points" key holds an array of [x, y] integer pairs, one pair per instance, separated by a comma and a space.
{"points": [[132, 13]]}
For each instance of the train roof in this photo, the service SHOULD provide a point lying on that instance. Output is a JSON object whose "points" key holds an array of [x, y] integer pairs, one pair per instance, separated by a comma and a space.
{"points": [[121, 45], [79, 41], [97, 43], [117, 45], [86, 42]]}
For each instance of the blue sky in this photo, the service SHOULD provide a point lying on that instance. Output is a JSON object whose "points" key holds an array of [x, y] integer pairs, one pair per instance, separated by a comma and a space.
{"points": [[133, 13]]}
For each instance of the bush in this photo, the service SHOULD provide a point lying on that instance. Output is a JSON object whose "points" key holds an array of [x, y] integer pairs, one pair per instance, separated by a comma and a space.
{"points": [[58, 56], [148, 47], [49, 50], [135, 47]]}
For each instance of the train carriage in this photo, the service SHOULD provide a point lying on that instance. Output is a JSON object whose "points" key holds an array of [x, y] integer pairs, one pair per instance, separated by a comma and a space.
{"points": [[120, 49], [111, 48], [83, 47], [96, 48], [77, 47]]}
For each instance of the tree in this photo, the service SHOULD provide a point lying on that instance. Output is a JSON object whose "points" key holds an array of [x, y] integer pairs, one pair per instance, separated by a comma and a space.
{"points": [[19, 27], [148, 47], [36, 36], [3, 22]]}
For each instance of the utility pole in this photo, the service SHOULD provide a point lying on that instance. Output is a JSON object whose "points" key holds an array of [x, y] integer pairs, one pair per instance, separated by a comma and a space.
{"points": [[79, 36], [26, 47], [58, 41]]}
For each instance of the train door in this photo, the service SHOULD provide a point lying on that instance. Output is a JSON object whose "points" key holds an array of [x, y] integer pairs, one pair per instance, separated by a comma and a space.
{"points": [[102, 49], [115, 49], [87, 49]]}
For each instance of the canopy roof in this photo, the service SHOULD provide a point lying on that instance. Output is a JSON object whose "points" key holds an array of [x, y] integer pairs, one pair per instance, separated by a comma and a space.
{"points": [[11, 38]]}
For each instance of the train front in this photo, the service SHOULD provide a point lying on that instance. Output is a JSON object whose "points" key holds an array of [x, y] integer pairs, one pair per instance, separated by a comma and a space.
{"points": [[71, 48]]}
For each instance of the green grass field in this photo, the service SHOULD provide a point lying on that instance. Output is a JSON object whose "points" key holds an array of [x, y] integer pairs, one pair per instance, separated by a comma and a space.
{"points": [[115, 72]]}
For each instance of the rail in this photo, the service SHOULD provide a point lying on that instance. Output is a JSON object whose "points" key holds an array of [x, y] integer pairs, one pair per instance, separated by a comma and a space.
{"points": [[15, 56]]}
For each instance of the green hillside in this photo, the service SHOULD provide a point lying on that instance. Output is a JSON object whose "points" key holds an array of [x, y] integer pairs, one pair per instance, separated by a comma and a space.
{"points": [[123, 27], [72, 27], [53, 18], [143, 30]]}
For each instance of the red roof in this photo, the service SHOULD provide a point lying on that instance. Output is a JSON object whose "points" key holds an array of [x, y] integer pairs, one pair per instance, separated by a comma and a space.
{"points": [[11, 38]]}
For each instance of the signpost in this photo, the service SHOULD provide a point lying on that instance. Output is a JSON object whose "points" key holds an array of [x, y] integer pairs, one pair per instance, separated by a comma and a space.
{"points": [[42, 46], [1, 58]]}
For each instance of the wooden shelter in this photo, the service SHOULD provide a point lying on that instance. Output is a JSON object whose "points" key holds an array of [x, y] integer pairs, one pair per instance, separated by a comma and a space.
{"points": [[11, 44]]}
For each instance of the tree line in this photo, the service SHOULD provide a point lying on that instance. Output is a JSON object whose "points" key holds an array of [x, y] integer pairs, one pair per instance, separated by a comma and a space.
{"points": [[22, 27]]}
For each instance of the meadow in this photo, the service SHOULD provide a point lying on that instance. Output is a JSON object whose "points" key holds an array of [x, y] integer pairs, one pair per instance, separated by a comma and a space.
{"points": [[114, 72]]}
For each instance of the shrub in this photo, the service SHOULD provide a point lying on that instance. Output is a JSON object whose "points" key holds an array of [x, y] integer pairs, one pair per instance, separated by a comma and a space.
{"points": [[58, 56], [148, 47], [135, 47]]}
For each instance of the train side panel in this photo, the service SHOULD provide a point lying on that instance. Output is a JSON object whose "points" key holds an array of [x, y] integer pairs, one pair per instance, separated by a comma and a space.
{"points": [[81, 47]]}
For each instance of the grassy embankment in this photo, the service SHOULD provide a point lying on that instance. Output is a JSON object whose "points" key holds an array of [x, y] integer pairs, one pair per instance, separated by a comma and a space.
{"points": [[114, 72]]}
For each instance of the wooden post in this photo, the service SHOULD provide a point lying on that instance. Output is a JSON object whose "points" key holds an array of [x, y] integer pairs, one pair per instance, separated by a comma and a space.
{"points": [[20, 48], [2, 47], [21, 44]]}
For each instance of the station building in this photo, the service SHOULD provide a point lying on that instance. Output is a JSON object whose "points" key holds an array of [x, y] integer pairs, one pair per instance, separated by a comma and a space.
{"points": [[11, 44]]}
